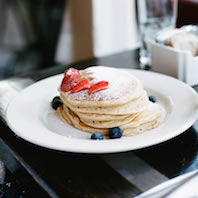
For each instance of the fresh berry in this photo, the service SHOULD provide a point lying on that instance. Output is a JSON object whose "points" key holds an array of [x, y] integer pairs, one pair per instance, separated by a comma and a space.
{"points": [[97, 136], [83, 84], [152, 99], [115, 132], [99, 86], [72, 73], [67, 84], [56, 102]]}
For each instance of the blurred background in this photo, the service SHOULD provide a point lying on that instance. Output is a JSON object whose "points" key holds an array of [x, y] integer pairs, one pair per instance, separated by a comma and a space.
{"points": [[38, 34]]}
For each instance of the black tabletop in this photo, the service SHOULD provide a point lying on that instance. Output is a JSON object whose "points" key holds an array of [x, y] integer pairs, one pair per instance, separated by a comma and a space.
{"points": [[49, 173]]}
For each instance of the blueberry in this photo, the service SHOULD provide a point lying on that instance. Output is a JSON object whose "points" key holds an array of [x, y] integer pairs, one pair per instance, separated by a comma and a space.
{"points": [[97, 136], [152, 99], [56, 102], [115, 132]]}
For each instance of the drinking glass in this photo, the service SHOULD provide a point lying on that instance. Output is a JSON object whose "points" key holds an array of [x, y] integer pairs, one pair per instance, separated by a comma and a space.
{"points": [[152, 17]]}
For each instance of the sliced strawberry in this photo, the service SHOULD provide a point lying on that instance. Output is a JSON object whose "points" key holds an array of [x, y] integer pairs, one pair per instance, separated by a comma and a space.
{"points": [[72, 73], [67, 84], [99, 86], [83, 84]]}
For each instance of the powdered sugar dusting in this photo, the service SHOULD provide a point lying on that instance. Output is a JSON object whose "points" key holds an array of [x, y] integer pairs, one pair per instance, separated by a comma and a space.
{"points": [[120, 82]]}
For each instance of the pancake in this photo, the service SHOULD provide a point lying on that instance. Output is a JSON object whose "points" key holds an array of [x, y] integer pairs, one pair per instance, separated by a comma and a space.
{"points": [[110, 123], [124, 104], [100, 117], [123, 87], [76, 122], [134, 106], [152, 112], [63, 116], [142, 128], [137, 124]]}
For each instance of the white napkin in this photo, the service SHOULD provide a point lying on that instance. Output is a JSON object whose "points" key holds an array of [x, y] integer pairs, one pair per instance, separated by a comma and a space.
{"points": [[187, 190]]}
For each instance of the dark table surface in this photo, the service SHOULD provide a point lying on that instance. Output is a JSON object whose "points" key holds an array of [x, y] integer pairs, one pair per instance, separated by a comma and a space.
{"points": [[49, 173]]}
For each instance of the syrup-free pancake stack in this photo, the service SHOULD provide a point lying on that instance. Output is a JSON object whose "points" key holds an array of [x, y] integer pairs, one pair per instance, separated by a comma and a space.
{"points": [[124, 104]]}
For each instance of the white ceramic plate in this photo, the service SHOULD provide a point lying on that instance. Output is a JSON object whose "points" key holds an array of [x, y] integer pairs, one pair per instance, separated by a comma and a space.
{"points": [[31, 117]]}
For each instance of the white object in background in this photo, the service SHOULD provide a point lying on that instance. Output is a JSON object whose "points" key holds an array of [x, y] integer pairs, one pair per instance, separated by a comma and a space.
{"points": [[172, 187], [188, 189], [114, 26], [96, 28], [179, 64]]}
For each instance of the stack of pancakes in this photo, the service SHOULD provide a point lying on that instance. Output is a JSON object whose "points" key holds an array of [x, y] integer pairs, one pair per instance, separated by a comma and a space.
{"points": [[124, 104]]}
